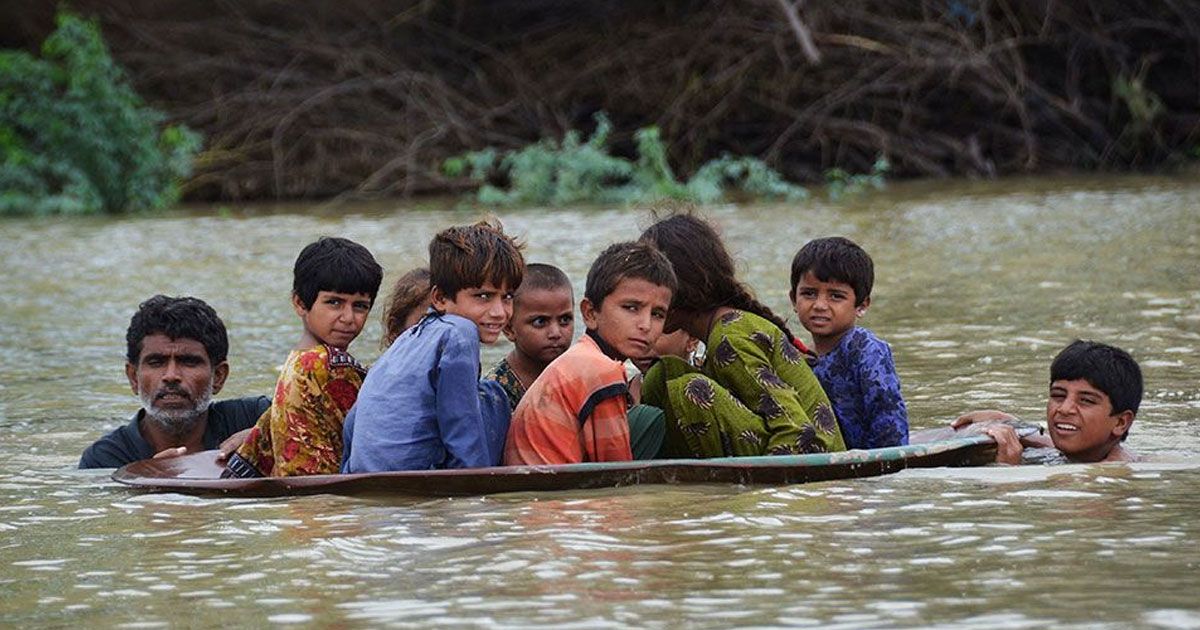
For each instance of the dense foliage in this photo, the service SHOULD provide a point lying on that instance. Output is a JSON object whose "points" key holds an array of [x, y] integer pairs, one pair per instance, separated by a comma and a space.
{"points": [[573, 171], [74, 136], [369, 97]]}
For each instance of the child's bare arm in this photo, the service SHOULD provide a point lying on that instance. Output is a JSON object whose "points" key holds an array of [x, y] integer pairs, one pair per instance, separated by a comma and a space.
{"points": [[980, 417]]}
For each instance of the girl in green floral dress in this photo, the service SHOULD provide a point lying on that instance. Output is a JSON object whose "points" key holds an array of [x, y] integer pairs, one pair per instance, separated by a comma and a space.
{"points": [[755, 394]]}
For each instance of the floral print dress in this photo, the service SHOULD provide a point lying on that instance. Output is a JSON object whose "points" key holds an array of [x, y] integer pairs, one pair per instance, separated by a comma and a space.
{"points": [[754, 395], [301, 433]]}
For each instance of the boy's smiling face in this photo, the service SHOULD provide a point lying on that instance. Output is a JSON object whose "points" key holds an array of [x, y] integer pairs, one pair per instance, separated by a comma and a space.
{"points": [[826, 309], [1081, 421], [489, 306], [543, 323], [629, 319]]}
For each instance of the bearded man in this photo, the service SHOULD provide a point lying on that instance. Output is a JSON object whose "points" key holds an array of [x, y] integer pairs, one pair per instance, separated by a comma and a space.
{"points": [[175, 361]]}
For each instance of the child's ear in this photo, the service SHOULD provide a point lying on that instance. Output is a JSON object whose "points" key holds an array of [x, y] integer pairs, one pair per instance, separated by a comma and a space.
{"points": [[1124, 422], [588, 310], [298, 304], [438, 299], [861, 309]]}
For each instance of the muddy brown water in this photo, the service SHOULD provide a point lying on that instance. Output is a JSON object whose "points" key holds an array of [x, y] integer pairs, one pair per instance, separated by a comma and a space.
{"points": [[978, 285]]}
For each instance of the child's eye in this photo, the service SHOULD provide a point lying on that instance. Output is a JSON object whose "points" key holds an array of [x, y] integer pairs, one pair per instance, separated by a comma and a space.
{"points": [[362, 307], [508, 297], [658, 313], [539, 322], [485, 296], [566, 320]]}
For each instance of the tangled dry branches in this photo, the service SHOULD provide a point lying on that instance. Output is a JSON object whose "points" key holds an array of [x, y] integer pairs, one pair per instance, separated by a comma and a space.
{"points": [[366, 97]]}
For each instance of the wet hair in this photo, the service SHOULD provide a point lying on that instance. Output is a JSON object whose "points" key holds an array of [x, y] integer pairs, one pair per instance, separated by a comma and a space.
{"points": [[543, 277], [632, 259], [466, 256], [705, 268], [335, 264], [838, 259], [177, 318], [410, 292], [1108, 369]]}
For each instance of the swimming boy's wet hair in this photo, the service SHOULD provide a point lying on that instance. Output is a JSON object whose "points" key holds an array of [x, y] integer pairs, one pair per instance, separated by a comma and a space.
{"points": [[466, 256], [1108, 369], [410, 292], [705, 269], [633, 259], [335, 264], [177, 318], [838, 259], [543, 277]]}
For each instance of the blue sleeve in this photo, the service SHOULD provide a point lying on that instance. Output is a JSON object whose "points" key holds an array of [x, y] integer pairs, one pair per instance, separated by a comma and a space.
{"points": [[347, 438], [882, 402], [459, 417], [497, 415]]}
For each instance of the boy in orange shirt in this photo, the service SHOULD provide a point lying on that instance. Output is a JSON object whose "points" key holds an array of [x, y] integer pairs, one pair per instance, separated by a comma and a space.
{"points": [[577, 410]]}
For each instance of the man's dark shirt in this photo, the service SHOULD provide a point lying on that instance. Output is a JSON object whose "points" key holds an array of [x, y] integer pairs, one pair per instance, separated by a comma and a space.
{"points": [[126, 444]]}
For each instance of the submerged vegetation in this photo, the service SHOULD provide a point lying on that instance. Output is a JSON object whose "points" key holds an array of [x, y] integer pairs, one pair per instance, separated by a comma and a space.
{"points": [[74, 136], [556, 173]]}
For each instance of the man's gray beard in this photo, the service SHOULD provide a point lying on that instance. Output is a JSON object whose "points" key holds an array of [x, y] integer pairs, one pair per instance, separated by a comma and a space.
{"points": [[176, 422]]}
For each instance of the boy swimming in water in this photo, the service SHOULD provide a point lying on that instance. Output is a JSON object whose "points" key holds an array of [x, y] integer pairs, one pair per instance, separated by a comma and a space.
{"points": [[1095, 391]]}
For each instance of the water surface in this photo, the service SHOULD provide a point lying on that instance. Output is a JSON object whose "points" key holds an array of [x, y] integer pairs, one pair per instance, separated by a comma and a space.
{"points": [[978, 285]]}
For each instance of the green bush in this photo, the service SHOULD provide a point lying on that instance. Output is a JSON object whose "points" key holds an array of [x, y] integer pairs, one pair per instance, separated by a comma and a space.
{"points": [[578, 171], [840, 183], [74, 136]]}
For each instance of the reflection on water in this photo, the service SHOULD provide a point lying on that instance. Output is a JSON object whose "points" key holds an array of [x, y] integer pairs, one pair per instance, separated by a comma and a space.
{"points": [[977, 286]]}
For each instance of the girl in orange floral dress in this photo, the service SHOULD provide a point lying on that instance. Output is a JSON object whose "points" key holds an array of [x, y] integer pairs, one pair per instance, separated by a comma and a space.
{"points": [[334, 287]]}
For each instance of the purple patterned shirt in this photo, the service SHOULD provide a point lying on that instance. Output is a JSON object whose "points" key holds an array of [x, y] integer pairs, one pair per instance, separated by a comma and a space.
{"points": [[860, 379]]}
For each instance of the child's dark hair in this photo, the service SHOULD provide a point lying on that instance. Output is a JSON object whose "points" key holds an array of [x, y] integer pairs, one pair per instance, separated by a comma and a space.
{"points": [[335, 264], [835, 258], [177, 318], [705, 267], [467, 256], [1108, 369], [543, 277], [410, 292], [633, 259]]}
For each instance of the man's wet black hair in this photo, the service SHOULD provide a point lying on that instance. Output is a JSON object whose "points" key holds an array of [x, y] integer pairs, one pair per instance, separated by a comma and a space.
{"points": [[177, 318], [838, 259], [335, 264], [1108, 369]]}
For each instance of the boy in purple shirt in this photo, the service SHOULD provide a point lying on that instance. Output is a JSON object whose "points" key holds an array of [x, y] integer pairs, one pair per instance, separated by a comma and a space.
{"points": [[830, 290], [422, 405]]}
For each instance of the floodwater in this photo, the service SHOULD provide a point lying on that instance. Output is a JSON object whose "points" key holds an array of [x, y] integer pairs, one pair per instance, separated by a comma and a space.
{"points": [[978, 285]]}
